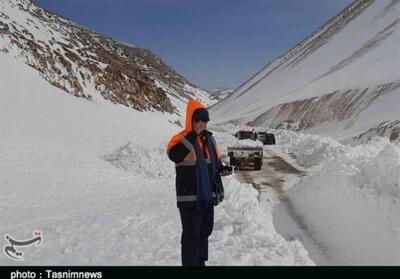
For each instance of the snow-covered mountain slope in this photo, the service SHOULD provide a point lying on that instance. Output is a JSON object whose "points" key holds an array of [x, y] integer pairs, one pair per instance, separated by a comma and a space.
{"points": [[341, 81], [221, 93], [89, 65]]}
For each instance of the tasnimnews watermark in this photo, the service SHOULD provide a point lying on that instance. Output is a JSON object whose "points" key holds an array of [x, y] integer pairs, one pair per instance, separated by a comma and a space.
{"points": [[11, 251]]}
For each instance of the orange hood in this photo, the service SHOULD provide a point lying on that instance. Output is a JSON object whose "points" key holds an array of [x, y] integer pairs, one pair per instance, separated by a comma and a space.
{"points": [[190, 108]]}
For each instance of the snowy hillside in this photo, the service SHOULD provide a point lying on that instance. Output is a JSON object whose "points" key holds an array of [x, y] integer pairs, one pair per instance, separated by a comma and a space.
{"points": [[342, 81], [221, 93], [89, 65]]}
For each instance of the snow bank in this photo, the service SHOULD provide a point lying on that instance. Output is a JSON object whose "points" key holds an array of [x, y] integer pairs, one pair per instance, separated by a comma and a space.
{"points": [[351, 202], [311, 150], [244, 233], [142, 160]]}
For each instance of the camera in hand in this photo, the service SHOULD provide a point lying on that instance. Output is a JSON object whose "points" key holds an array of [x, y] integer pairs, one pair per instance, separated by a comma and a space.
{"points": [[225, 168]]}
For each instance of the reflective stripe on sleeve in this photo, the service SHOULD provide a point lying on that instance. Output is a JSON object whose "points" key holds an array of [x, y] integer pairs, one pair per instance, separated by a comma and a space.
{"points": [[186, 143], [190, 163], [187, 198]]}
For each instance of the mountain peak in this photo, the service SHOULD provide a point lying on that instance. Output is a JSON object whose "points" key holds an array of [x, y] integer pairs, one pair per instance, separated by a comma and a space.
{"points": [[332, 78], [89, 65]]}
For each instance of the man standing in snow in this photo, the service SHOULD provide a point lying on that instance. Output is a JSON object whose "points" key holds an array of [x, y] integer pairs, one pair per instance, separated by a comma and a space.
{"points": [[199, 188]]}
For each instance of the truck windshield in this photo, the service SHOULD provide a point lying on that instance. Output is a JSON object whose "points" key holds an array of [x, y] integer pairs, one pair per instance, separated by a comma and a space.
{"points": [[245, 135]]}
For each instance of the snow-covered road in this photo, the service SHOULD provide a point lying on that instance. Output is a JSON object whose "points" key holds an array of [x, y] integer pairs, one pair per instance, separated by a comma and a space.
{"points": [[278, 173]]}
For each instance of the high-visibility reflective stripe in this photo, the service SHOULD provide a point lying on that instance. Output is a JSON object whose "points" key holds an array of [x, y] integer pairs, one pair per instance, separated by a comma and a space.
{"points": [[190, 197], [186, 143], [186, 198], [192, 156], [186, 163], [190, 163], [189, 146], [214, 141], [216, 146]]}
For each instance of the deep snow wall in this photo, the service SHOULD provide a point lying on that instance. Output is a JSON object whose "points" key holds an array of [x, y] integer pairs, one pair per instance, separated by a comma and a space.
{"points": [[351, 200]]}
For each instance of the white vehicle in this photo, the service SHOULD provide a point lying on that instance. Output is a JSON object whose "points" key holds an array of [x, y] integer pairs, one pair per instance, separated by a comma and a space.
{"points": [[248, 151]]}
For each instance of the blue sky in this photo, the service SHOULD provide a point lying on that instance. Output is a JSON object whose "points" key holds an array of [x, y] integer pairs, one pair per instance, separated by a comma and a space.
{"points": [[214, 43]]}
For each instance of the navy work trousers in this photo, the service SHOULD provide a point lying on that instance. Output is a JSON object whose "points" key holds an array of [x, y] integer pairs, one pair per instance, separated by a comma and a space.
{"points": [[197, 226]]}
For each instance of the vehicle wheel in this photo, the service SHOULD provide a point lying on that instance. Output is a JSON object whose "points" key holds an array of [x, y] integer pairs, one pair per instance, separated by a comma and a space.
{"points": [[257, 164]]}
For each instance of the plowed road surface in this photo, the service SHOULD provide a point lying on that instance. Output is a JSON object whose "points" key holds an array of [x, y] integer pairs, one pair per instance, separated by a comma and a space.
{"points": [[271, 182]]}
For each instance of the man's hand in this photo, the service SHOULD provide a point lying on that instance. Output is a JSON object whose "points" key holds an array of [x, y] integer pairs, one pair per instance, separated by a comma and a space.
{"points": [[225, 170], [225, 173]]}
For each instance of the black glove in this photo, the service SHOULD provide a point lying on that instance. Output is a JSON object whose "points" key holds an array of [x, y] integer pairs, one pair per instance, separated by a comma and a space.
{"points": [[191, 136], [223, 168]]}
